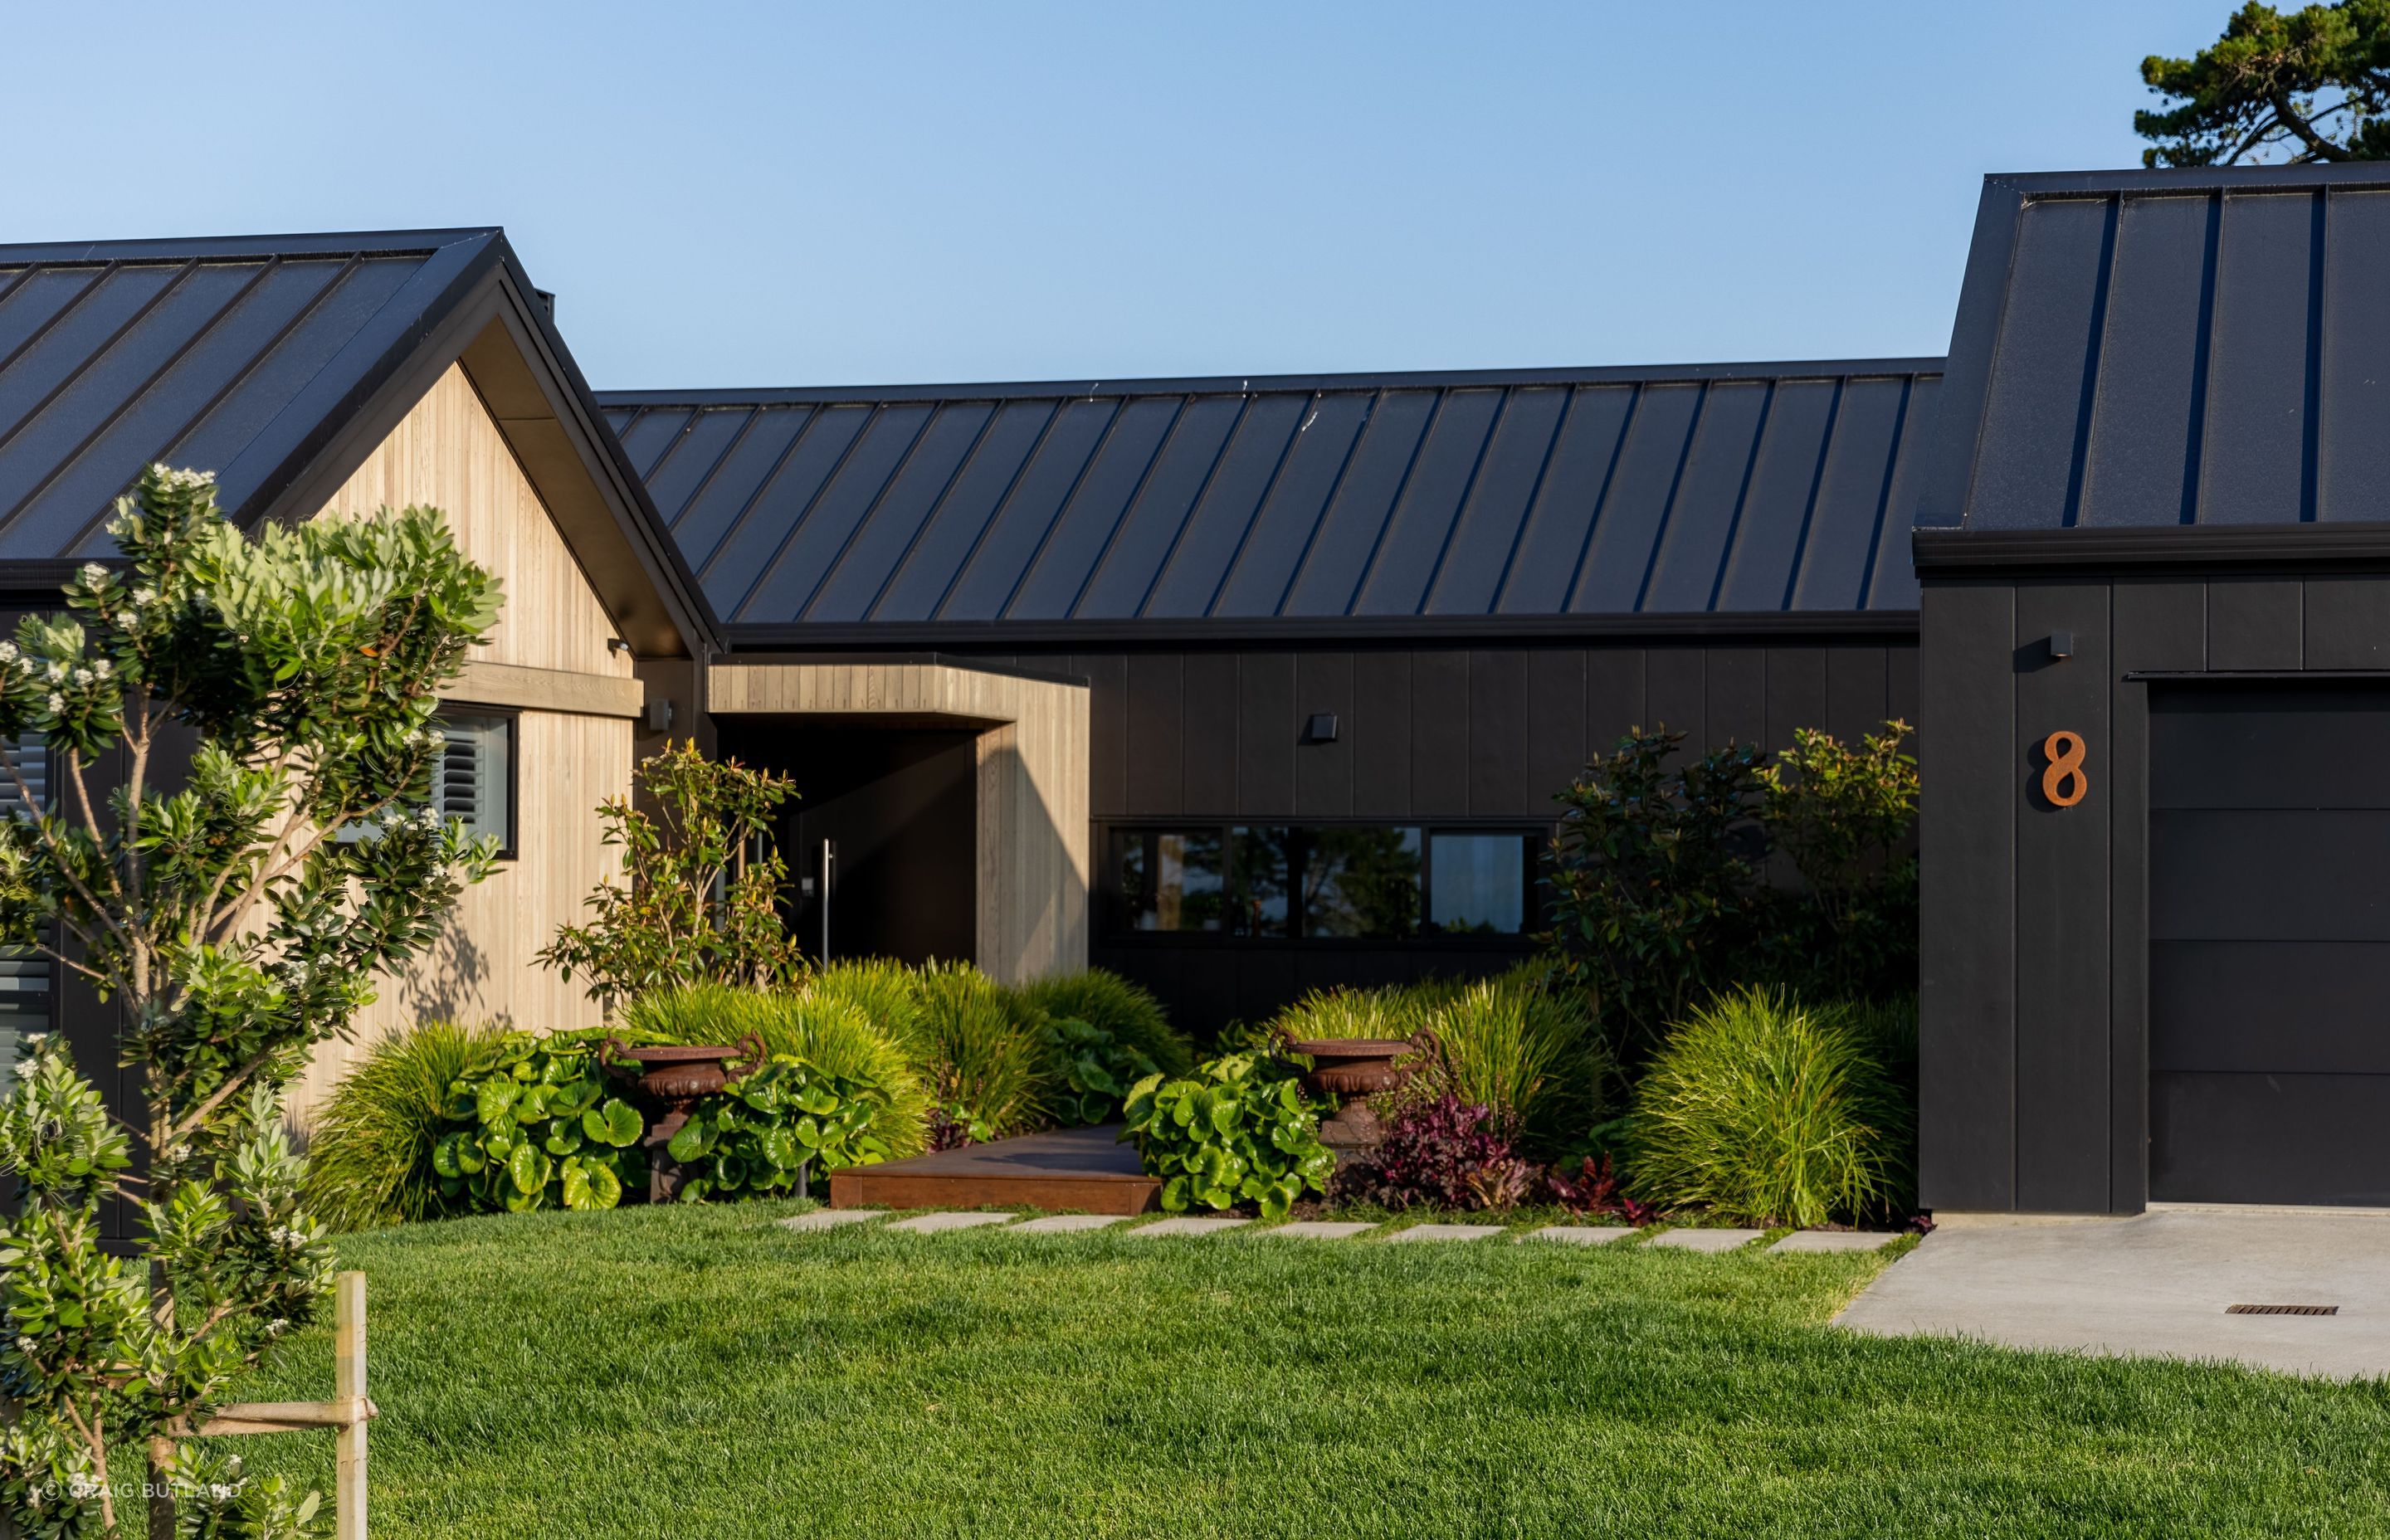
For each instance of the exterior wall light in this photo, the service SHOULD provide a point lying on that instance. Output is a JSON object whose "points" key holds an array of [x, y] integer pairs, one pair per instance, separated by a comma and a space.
{"points": [[1321, 728]]}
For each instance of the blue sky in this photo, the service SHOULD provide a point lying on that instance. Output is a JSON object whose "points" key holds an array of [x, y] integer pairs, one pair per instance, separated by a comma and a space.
{"points": [[790, 194]]}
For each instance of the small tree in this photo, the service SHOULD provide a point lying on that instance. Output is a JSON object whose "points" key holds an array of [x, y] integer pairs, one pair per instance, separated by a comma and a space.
{"points": [[2310, 85], [1844, 815], [702, 906], [236, 904]]}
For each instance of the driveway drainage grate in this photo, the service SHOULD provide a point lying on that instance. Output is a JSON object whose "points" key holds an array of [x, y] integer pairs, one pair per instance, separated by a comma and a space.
{"points": [[2282, 1310]]}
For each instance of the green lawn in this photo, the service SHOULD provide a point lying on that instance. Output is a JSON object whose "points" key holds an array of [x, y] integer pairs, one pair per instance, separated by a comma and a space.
{"points": [[701, 1373]]}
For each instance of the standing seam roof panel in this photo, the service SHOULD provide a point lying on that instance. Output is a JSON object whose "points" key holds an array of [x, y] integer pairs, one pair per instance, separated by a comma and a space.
{"points": [[1665, 492]]}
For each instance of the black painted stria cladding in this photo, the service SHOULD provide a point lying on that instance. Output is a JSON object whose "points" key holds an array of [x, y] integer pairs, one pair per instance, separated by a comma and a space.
{"points": [[1759, 488]]}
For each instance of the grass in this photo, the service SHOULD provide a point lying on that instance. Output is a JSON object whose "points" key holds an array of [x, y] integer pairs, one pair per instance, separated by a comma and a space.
{"points": [[702, 1372]]}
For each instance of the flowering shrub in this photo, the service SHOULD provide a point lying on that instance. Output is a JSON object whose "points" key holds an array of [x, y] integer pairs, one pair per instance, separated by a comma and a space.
{"points": [[233, 852], [1442, 1152]]}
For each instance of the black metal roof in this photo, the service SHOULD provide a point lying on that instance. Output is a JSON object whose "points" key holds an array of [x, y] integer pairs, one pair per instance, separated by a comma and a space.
{"points": [[2137, 350], [1717, 488], [237, 356]]}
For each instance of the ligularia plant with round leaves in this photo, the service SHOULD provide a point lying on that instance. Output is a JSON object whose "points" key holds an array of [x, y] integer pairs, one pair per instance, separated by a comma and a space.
{"points": [[237, 838]]}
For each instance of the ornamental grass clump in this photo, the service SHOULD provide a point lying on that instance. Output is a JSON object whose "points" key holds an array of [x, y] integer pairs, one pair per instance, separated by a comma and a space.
{"points": [[1763, 1110], [369, 1157], [1126, 1013], [831, 1034], [882, 989], [987, 1069]]}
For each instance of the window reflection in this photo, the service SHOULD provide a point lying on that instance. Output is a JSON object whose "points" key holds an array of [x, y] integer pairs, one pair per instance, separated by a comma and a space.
{"points": [[1360, 882], [1480, 884], [1169, 880]]}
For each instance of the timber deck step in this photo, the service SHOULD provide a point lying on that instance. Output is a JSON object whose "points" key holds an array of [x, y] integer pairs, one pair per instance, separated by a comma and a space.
{"points": [[1086, 1169]]}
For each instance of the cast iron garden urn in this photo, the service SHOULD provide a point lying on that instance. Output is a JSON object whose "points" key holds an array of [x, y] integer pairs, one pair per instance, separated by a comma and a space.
{"points": [[670, 1080], [1351, 1070]]}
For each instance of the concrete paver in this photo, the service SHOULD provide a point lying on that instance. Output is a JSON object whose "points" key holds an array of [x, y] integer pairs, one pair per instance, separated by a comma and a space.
{"points": [[1322, 1229], [830, 1219], [1446, 1232], [1705, 1240], [1585, 1234], [1069, 1224], [2156, 1285], [931, 1224], [1189, 1225]]}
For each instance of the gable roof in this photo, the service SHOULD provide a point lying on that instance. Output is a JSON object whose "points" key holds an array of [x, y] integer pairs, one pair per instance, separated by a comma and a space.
{"points": [[2137, 352], [1342, 503], [279, 361]]}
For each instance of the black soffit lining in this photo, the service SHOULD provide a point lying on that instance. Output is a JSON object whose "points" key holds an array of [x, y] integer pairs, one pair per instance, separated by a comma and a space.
{"points": [[2139, 351], [237, 356], [1735, 490]]}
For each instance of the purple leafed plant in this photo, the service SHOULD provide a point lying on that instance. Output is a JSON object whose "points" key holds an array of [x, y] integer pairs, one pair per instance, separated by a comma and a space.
{"points": [[1594, 1190], [1443, 1153]]}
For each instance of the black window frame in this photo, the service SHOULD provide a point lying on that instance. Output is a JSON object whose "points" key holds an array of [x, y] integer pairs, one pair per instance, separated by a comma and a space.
{"points": [[1111, 929]]}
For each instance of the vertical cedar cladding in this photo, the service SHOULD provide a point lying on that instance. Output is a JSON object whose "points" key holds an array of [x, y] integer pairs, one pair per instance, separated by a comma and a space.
{"points": [[2167, 351], [1740, 488]]}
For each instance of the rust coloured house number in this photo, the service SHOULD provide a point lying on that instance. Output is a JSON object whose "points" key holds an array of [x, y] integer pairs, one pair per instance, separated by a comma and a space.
{"points": [[2063, 782]]}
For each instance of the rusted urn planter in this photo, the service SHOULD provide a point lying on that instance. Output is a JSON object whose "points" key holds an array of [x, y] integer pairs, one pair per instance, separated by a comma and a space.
{"points": [[1351, 1070], [669, 1081]]}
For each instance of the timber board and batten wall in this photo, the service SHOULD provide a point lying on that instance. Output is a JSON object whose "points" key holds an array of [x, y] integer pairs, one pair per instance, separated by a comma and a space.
{"points": [[1031, 811], [2035, 997], [548, 661]]}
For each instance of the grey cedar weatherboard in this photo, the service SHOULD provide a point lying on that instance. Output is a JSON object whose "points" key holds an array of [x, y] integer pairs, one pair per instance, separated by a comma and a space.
{"points": [[1732, 491]]}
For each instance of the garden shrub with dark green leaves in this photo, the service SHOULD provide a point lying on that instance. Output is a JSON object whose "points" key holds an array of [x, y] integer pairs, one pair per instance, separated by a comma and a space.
{"points": [[828, 1031], [787, 1121], [1097, 1071], [1239, 1130], [533, 1123], [1127, 1012], [369, 1156], [1763, 1110]]}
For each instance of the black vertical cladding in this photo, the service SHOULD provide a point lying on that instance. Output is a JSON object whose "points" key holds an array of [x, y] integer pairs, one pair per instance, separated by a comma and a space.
{"points": [[1439, 746], [1157, 727], [2255, 624], [1857, 692], [1675, 689], [1556, 750], [1499, 707], [2345, 623], [1381, 734], [1210, 732], [2062, 981], [1967, 964], [1735, 702], [1323, 771], [1797, 698], [1266, 736], [2157, 626], [1615, 701]]}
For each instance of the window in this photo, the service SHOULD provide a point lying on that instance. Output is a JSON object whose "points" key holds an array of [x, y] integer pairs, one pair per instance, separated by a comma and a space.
{"points": [[1481, 883], [1322, 881], [474, 780], [25, 974], [1169, 880]]}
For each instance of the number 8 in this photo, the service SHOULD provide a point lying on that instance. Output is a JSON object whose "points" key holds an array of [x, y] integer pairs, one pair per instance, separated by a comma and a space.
{"points": [[2065, 751]]}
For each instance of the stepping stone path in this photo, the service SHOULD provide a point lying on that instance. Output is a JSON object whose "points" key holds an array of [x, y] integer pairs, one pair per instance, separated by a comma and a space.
{"points": [[1069, 1224], [930, 1223], [1584, 1235], [830, 1219], [1448, 1232], [1189, 1224], [1834, 1240], [1706, 1240], [1322, 1229]]}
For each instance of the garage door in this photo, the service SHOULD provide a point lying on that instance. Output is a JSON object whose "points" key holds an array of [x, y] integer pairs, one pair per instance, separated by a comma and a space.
{"points": [[2269, 942]]}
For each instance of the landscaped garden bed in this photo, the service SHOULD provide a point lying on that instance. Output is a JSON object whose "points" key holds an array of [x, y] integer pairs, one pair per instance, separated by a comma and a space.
{"points": [[698, 1371]]}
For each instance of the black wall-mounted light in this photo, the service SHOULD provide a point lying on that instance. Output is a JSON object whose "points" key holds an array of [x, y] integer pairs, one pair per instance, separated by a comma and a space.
{"points": [[2062, 644], [1321, 728]]}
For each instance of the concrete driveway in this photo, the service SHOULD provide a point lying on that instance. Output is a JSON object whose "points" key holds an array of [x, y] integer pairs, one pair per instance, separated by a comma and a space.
{"points": [[2158, 1285]]}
